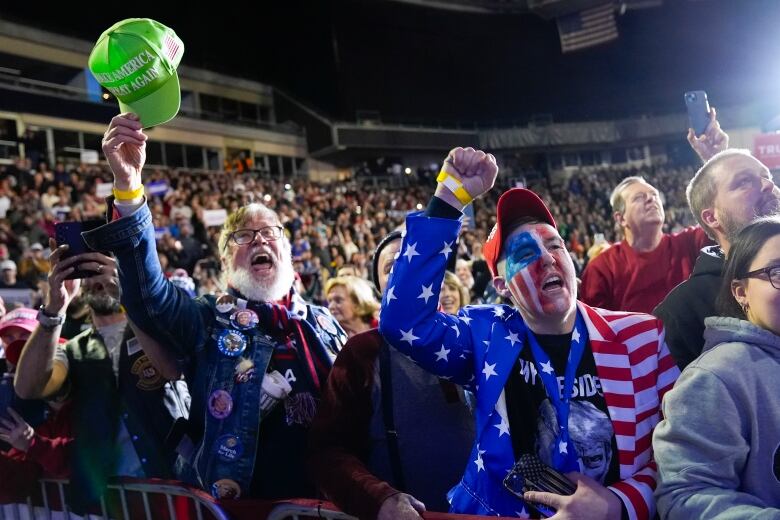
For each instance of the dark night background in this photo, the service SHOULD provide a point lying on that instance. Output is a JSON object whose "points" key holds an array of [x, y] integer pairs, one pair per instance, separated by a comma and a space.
{"points": [[434, 66]]}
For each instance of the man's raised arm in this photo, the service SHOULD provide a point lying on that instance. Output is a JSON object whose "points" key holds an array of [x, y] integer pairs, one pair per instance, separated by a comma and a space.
{"points": [[409, 321]]}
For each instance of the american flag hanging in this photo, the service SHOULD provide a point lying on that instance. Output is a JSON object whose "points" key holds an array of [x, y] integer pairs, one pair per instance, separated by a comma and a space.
{"points": [[587, 28]]}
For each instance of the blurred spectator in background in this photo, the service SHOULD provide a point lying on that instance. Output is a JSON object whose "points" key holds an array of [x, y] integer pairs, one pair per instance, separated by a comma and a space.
{"points": [[638, 272], [26, 453], [190, 250], [15, 328], [352, 303], [8, 279], [464, 274], [34, 264], [453, 295]]}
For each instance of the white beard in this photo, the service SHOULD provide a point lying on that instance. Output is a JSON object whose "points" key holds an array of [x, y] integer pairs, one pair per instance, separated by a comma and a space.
{"points": [[243, 281]]}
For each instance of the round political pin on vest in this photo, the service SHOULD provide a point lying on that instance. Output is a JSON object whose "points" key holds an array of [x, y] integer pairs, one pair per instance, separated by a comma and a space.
{"points": [[228, 448], [245, 371], [231, 343], [327, 324], [244, 319], [226, 303], [225, 488], [220, 404]]}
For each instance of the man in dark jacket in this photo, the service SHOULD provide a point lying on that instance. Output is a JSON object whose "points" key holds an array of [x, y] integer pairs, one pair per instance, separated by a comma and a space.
{"points": [[126, 416], [731, 190]]}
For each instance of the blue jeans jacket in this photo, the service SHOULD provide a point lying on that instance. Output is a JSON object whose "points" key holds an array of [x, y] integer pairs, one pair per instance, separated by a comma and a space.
{"points": [[192, 327]]}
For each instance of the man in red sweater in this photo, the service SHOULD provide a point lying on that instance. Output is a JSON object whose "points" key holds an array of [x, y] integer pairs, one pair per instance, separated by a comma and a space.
{"points": [[638, 272]]}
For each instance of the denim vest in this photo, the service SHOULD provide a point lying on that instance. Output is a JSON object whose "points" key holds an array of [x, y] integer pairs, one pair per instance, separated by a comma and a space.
{"points": [[213, 371], [226, 448], [148, 404]]}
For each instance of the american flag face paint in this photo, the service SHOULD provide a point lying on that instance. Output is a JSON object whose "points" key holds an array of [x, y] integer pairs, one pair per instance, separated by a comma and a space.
{"points": [[539, 270]]}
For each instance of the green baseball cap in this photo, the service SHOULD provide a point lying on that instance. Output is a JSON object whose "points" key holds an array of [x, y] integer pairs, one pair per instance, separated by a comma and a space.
{"points": [[136, 60]]}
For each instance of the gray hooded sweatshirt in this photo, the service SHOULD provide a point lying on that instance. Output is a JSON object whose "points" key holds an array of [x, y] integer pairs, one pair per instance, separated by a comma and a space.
{"points": [[718, 447]]}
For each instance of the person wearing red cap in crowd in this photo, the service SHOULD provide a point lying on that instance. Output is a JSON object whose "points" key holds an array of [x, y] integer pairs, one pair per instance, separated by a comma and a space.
{"points": [[15, 328], [558, 383], [33, 451]]}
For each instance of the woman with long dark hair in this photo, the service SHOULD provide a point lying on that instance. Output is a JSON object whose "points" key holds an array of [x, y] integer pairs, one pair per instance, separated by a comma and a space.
{"points": [[718, 448]]}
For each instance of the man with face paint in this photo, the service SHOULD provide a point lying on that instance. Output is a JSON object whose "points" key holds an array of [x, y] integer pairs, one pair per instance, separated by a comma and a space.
{"points": [[547, 363]]}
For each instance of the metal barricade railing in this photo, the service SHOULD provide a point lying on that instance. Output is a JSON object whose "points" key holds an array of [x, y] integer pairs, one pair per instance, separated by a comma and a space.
{"points": [[304, 508], [137, 499], [299, 509], [132, 499]]}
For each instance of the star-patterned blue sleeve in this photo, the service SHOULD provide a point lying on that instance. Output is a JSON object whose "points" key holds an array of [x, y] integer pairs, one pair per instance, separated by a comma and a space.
{"points": [[440, 343]]}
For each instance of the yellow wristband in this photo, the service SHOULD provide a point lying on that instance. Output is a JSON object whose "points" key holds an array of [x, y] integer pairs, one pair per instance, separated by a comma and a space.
{"points": [[456, 187], [128, 195]]}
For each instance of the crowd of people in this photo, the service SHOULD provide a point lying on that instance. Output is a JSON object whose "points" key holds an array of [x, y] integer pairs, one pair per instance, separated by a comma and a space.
{"points": [[388, 351], [331, 227]]}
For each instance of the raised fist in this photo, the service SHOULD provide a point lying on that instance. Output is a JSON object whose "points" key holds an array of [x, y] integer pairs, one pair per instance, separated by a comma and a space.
{"points": [[124, 145], [475, 169]]}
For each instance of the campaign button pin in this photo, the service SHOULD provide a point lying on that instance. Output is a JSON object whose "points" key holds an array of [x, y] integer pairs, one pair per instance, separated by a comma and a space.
{"points": [[245, 371], [148, 377], [225, 488], [220, 404], [327, 324], [231, 343], [228, 448], [244, 319], [226, 303]]}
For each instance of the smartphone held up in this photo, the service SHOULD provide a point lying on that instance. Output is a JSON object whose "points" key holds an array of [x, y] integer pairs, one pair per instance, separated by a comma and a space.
{"points": [[698, 111], [70, 233]]}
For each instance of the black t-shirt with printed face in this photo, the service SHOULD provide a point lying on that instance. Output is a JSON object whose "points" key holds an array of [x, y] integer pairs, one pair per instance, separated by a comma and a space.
{"points": [[533, 421]]}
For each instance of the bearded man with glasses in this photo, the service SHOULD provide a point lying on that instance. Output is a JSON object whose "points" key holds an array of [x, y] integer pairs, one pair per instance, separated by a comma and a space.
{"points": [[255, 358]]}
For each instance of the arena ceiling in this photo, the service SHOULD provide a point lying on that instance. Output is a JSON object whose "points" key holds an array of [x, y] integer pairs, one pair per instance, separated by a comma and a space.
{"points": [[402, 60]]}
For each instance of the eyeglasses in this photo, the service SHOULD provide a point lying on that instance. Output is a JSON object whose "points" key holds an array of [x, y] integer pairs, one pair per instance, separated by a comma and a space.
{"points": [[773, 273], [247, 236]]}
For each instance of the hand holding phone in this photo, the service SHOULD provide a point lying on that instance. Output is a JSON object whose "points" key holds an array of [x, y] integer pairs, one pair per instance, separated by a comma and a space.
{"points": [[712, 141], [69, 233], [531, 474]]}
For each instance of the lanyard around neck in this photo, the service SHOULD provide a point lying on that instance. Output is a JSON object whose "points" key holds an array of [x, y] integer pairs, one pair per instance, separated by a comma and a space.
{"points": [[564, 455]]}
